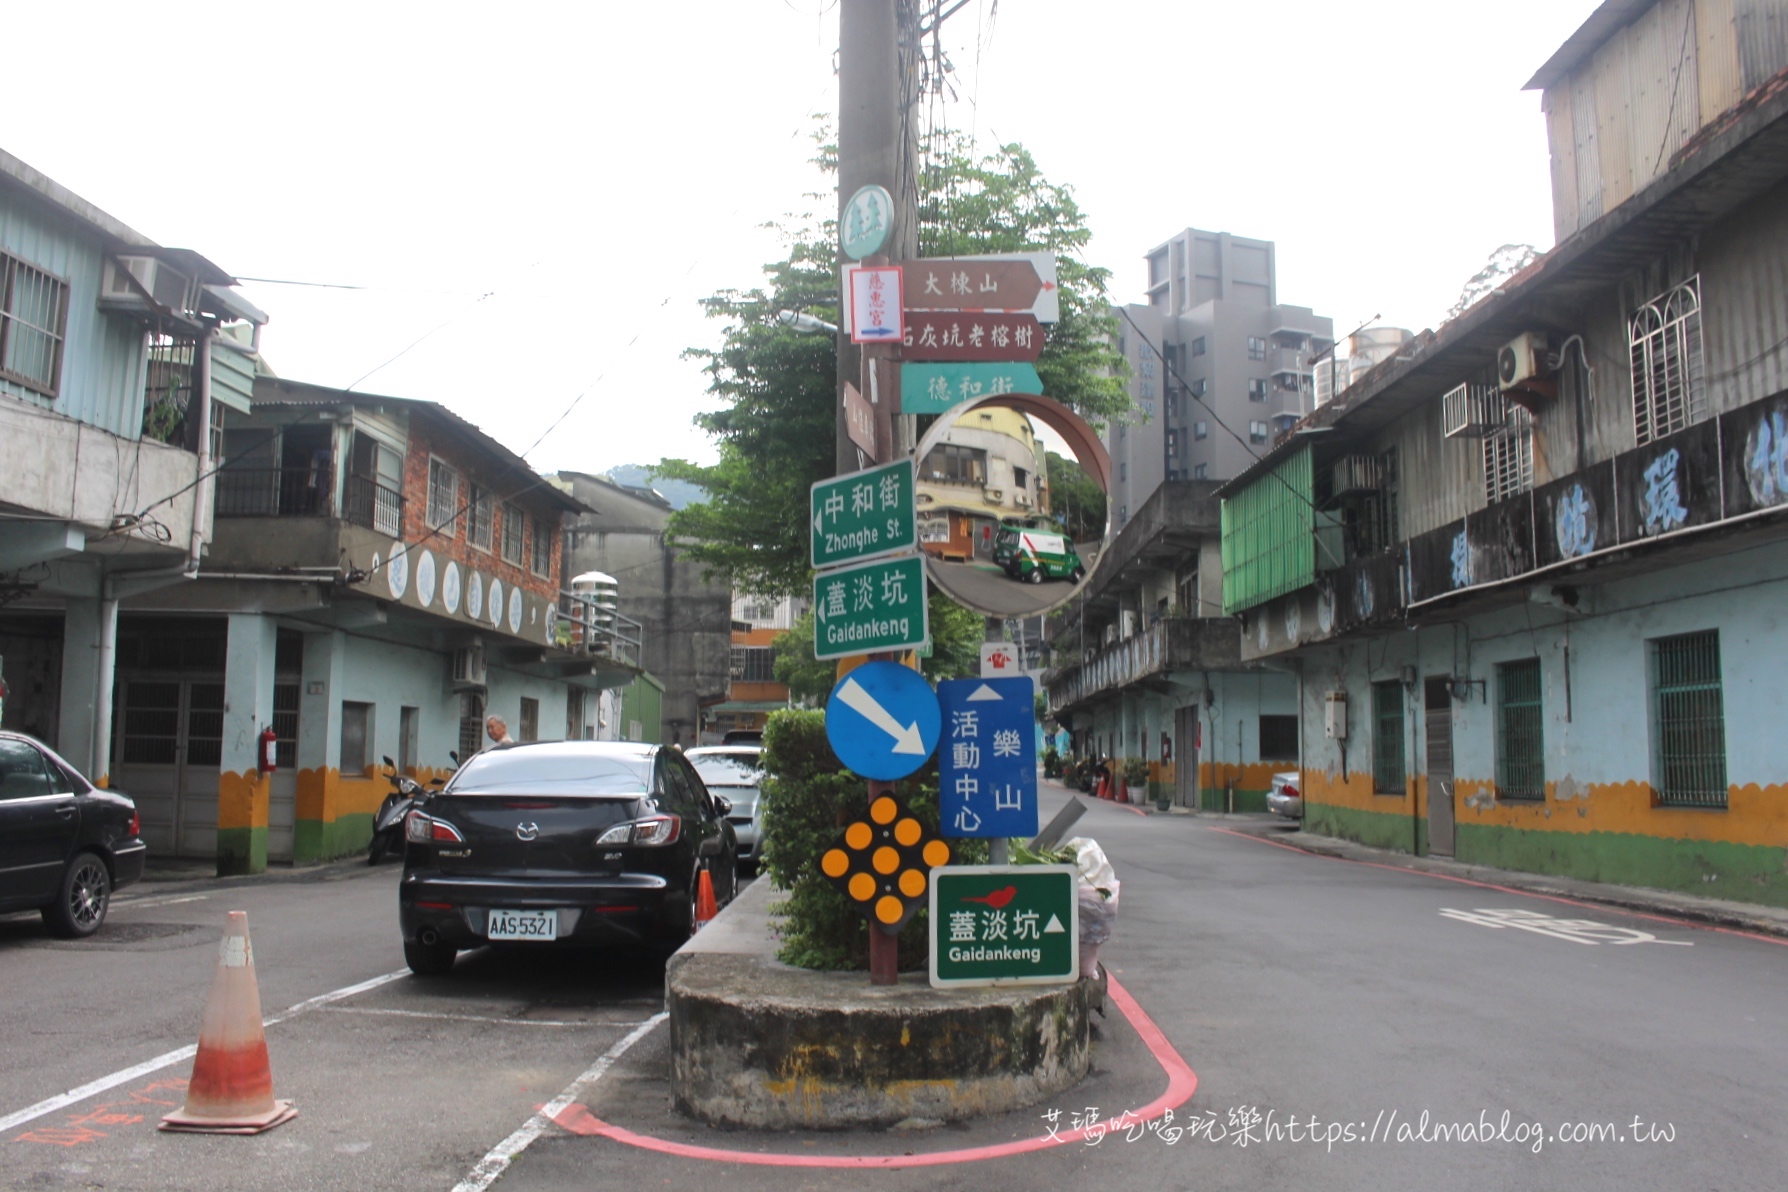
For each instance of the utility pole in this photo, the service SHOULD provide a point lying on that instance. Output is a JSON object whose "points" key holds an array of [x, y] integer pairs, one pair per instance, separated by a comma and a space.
{"points": [[877, 88]]}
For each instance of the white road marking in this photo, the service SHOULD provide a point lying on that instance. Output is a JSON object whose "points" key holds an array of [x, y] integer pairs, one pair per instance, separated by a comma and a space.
{"points": [[91, 1088], [491, 1168], [1577, 931], [480, 1018], [140, 904]]}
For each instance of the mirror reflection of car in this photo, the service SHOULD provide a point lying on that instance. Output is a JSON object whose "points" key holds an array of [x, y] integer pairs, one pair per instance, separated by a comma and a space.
{"points": [[1036, 555]]}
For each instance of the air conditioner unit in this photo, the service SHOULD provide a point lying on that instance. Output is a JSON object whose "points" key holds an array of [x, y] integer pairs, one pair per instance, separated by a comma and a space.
{"points": [[468, 666], [1472, 410], [1358, 474], [1522, 359], [136, 283]]}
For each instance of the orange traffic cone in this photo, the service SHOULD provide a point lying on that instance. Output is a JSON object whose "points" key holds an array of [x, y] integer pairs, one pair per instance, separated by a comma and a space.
{"points": [[705, 906], [231, 1090]]}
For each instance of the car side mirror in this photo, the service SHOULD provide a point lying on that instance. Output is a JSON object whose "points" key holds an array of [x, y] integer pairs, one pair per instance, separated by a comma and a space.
{"points": [[723, 806]]}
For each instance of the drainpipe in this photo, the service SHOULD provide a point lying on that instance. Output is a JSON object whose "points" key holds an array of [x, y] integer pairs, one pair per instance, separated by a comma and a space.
{"points": [[105, 660]]}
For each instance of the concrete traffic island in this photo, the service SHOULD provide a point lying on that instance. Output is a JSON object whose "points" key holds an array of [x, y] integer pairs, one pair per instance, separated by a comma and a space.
{"points": [[760, 1044]]}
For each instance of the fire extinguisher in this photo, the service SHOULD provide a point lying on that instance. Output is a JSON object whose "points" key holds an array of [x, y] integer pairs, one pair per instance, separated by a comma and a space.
{"points": [[269, 755]]}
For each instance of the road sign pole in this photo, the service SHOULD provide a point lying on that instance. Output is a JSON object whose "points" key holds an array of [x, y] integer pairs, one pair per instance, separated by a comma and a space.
{"points": [[884, 949]]}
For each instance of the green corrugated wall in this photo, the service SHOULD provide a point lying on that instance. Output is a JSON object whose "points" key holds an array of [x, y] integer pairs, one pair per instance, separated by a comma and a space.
{"points": [[1269, 539]]}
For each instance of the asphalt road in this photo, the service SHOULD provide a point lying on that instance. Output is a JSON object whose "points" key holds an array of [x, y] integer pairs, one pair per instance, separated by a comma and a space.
{"points": [[1298, 988]]}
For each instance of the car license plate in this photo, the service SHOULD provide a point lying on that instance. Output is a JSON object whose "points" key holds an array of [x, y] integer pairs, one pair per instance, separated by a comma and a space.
{"points": [[522, 925]]}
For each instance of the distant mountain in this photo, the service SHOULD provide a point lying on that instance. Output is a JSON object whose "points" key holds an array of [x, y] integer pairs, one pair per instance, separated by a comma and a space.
{"points": [[678, 492]]}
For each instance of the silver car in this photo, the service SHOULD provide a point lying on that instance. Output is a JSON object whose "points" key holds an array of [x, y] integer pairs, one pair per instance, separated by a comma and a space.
{"points": [[733, 772], [1284, 798]]}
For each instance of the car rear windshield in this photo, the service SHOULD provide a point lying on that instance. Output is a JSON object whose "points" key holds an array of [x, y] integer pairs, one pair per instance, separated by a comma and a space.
{"points": [[523, 771], [728, 769]]}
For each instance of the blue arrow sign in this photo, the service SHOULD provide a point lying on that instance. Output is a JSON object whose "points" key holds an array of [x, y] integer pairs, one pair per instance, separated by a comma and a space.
{"points": [[882, 720], [987, 766]]}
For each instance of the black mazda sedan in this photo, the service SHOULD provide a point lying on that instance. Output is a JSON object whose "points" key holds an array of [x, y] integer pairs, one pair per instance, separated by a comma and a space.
{"points": [[586, 843], [65, 845]]}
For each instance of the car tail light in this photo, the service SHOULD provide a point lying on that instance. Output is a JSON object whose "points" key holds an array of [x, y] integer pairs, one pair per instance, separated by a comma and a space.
{"points": [[1290, 790], [425, 829], [136, 825], [652, 832]]}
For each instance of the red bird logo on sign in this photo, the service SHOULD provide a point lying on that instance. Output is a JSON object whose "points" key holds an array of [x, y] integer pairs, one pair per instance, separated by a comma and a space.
{"points": [[997, 899]]}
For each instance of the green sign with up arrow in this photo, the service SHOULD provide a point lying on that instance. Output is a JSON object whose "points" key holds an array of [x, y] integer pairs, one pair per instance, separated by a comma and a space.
{"points": [[1005, 925], [863, 515]]}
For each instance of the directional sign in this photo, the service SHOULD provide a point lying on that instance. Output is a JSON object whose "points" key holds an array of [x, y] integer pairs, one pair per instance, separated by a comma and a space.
{"points": [[876, 306], [1004, 925], [970, 284], [870, 607], [932, 388], [971, 335], [863, 515], [882, 720], [987, 768], [859, 421]]}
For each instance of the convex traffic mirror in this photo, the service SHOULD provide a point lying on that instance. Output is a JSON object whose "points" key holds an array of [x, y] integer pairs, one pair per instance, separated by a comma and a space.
{"points": [[1010, 493]]}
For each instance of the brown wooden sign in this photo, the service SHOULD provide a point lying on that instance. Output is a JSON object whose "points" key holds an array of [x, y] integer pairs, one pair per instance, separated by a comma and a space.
{"points": [[964, 283], [859, 420], [971, 335]]}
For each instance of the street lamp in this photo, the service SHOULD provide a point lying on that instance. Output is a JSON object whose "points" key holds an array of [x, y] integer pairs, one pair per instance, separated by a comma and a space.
{"points": [[800, 320]]}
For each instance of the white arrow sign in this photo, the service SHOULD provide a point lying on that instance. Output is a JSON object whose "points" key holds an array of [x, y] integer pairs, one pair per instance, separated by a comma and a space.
{"points": [[983, 692], [906, 740]]}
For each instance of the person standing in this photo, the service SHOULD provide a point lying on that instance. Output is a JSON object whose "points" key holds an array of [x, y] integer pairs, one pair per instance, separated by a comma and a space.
{"points": [[498, 730]]}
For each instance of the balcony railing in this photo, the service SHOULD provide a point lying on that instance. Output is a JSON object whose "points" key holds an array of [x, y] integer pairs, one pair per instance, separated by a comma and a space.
{"points": [[590, 625], [1173, 643], [369, 503], [272, 492]]}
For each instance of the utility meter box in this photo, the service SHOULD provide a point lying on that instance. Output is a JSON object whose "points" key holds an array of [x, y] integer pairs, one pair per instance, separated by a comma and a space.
{"points": [[1334, 720]]}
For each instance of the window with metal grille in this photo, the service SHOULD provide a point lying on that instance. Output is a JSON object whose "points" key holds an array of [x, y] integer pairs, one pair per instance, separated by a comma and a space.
{"points": [[1688, 714], [543, 547], [356, 737], [1387, 738], [33, 321], [530, 719], [754, 664], [285, 724], [479, 510], [512, 530], [1664, 338], [1520, 739], [1508, 457], [443, 498], [1278, 738], [471, 723]]}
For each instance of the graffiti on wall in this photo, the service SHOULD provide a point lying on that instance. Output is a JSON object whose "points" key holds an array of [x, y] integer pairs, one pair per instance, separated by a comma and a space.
{"points": [[1766, 460], [1660, 506], [1575, 523]]}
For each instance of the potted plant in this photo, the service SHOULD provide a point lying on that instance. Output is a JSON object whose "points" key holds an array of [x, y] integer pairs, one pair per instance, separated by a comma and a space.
{"points": [[1136, 778]]}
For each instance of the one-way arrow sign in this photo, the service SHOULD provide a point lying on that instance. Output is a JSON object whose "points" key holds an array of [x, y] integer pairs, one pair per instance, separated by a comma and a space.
{"points": [[882, 720]]}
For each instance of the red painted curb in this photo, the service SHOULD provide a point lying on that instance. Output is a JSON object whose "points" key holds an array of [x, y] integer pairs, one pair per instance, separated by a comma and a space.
{"points": [[1181, 1083], [1466, 881]]}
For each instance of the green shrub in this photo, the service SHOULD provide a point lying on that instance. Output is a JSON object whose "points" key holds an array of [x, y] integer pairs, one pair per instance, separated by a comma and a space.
{"points": [[1136, 771], [807, 799]]}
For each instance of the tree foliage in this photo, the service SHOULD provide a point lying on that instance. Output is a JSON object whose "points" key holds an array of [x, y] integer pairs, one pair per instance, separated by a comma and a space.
{"points": [[1075, 500], [774, 424]]}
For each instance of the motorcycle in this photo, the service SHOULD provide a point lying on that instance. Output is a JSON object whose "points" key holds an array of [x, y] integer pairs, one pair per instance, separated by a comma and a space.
{"points": [[388, 825]]}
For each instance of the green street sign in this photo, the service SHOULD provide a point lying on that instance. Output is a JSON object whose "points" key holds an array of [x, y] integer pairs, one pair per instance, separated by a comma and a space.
{"points": [[863, 515], [870, 607], [1004, 925], [928, 387]]}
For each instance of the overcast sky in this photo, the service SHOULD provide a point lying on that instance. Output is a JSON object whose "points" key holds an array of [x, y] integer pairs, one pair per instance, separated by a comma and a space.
{"points": [[558, 184]]}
